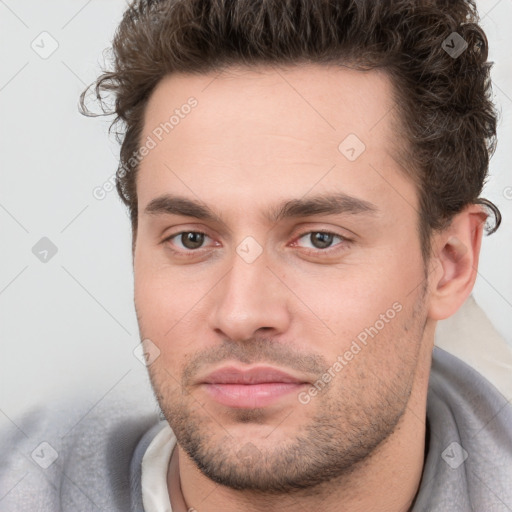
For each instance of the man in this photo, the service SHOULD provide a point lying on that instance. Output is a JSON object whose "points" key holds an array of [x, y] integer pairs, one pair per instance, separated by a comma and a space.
{"points": [[303, 181]]}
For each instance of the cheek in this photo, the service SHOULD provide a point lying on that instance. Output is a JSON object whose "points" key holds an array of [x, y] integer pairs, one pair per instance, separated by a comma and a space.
{"points": [[361, 313], [169, 309], [162, 298], [347, 300]]}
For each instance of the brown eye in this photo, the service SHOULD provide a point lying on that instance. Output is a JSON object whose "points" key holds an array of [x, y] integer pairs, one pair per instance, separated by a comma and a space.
{"points": [[187, 241], [321, 240], [192, 239], [322, 243]]}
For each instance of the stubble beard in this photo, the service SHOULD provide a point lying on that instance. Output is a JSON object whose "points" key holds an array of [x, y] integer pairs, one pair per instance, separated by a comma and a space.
{"points": [[351, 419]]}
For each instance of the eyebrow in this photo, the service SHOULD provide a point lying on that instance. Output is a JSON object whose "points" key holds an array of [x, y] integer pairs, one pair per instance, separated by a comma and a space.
{"points": [[327, 204], [176, 205]]}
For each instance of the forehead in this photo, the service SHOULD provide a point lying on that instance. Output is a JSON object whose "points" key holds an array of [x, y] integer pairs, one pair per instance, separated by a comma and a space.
{"points": [[269, 130], [298, 101]]}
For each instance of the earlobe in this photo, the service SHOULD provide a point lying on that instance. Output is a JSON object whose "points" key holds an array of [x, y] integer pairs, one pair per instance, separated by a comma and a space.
{"points": [[457, 250]]}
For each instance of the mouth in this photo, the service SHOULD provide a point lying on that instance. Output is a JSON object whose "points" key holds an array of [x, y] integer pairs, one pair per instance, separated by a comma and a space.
{"points": [[250, 388]]}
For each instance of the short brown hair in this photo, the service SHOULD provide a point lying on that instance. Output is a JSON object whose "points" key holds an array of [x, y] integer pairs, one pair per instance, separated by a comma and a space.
{"points": [[448, 121]]}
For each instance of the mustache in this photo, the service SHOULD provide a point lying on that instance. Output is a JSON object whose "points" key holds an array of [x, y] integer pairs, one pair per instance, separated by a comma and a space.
{"points": [[253, 351]]}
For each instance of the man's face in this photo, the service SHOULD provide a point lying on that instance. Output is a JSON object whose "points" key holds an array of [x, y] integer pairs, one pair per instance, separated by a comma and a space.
{"points": [[281, 279]]}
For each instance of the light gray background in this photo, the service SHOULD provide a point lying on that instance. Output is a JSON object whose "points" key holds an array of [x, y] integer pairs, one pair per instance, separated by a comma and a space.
{"points": [[68, 326]]}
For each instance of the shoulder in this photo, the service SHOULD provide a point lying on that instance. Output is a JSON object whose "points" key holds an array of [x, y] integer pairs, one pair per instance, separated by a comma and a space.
{"points": [[51, 463], [472, 398], [469, 461]]}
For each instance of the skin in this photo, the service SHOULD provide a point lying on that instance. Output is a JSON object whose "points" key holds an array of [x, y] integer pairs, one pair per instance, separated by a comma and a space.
{"points": [[257, 139]]}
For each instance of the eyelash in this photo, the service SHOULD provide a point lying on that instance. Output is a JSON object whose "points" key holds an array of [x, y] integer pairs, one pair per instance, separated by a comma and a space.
{"points": [[344, 242]]}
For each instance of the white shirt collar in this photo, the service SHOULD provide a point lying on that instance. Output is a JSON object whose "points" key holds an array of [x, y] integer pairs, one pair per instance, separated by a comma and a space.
{"points": [[155, 494]]}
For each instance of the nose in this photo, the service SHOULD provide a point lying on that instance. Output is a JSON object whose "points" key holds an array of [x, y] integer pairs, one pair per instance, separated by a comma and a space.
{"points": [[249, 300]]}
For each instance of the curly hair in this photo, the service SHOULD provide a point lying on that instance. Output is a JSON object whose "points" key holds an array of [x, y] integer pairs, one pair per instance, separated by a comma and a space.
{"points": [[443, 101]]}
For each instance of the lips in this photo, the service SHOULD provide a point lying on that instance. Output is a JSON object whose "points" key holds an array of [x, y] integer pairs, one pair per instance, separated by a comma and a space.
{"points": [[261, 375], [251, 387]]}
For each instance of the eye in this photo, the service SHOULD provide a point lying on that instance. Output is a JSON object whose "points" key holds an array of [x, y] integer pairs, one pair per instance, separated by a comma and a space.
{"points": [[188, 240], [319, 240]]}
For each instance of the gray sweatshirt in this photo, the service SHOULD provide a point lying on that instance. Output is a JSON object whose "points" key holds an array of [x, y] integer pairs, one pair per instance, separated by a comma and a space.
{"points": [[97, 466]]}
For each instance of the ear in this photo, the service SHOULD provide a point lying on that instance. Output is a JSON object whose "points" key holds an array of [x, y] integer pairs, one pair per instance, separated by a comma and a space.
{"points": [[455, 262]]}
